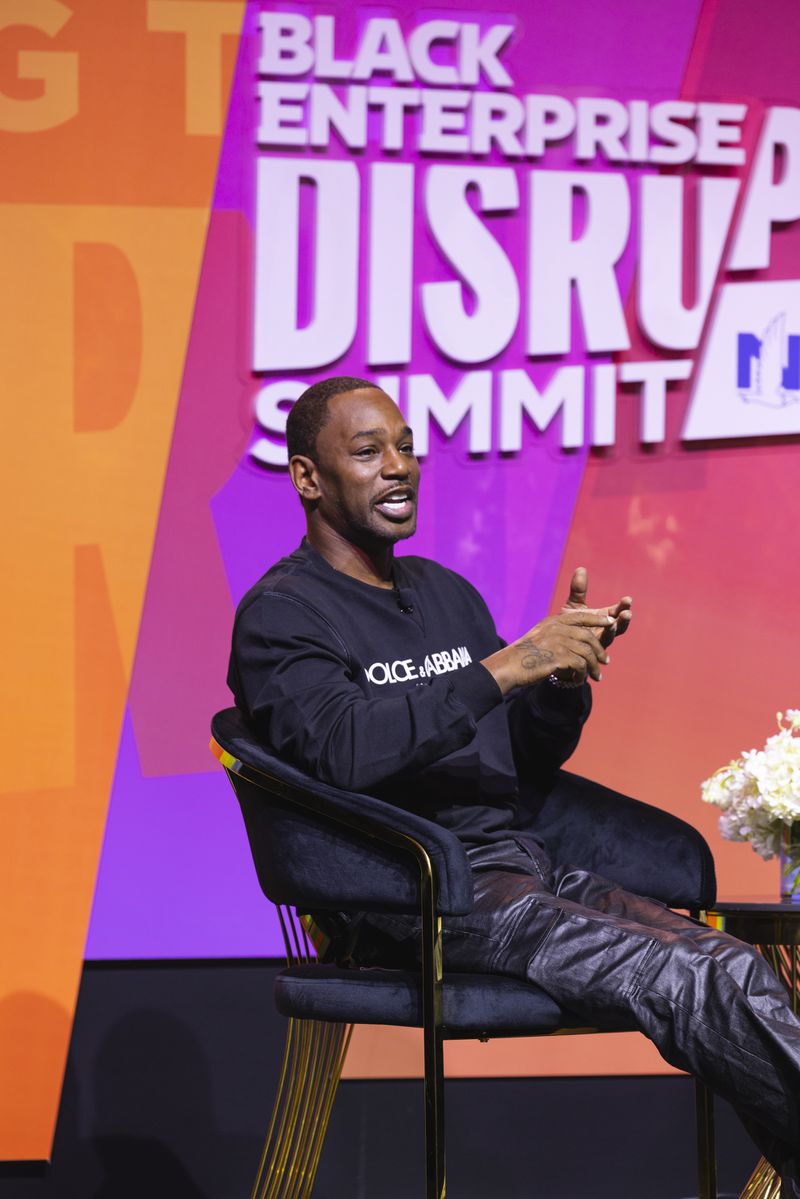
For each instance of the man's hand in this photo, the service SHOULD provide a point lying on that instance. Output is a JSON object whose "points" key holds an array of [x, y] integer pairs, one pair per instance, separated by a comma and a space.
{"points": [[620, 612], [569, 643]]}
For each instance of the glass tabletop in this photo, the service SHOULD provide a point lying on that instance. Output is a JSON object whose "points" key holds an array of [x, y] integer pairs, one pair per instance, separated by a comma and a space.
{"points": [[760, 920]]}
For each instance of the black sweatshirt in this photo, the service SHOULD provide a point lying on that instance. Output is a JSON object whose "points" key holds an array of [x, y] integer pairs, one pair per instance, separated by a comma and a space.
{"points": [[383, 691]]}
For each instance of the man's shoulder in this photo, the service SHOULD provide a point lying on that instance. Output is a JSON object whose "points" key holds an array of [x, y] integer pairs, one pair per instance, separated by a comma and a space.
{"points": [[288, 577]]}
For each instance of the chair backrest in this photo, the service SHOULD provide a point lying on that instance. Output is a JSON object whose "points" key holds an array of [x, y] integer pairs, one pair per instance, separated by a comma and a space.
{"points": [[316, 846]]}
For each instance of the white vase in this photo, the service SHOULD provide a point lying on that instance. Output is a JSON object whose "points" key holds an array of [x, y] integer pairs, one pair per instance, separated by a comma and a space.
{"points": [[790, 853]]}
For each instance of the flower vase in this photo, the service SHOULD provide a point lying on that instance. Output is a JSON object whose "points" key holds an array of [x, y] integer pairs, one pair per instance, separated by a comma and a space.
{"points": [[790, 862]]}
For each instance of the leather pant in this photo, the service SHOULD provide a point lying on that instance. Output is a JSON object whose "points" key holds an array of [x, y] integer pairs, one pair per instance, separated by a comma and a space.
{"points": [[709, 1003]]}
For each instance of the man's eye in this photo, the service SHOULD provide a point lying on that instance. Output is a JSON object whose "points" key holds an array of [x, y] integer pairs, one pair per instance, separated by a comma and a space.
{"points": [[366, 452], [407, 449]]}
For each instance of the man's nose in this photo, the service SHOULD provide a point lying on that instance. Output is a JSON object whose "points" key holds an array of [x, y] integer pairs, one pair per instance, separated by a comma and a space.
{"points": [[395, 464]]}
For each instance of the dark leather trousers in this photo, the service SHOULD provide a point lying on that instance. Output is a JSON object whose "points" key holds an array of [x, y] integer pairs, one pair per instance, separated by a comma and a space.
{"points": [[709, 1002]]}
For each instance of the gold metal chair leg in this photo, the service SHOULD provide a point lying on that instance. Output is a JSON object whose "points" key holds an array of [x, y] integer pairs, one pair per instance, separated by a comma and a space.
{"points": [[281, 1158], [312, 1123], [706, 1148], [278, 1118], [763, 1183], [434, 1114], [312, 1065], [435, 1178], [338, 1055]]}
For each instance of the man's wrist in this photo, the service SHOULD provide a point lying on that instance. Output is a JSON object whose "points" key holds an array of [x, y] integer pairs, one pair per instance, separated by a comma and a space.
{"points": [[504, 667], [563, 705], [568, 681]]}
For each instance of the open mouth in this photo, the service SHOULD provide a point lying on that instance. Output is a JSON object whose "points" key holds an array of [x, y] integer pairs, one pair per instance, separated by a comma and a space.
{"points": [[396, 505]]}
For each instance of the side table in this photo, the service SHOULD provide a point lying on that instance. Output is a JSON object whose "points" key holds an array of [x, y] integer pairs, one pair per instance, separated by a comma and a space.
{"points": [[773, 927]]}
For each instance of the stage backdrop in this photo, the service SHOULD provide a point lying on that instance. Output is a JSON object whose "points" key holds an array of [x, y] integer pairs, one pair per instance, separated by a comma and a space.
{"points": [[565, 238]]}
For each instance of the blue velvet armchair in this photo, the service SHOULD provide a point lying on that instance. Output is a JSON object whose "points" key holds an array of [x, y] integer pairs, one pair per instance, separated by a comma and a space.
{"points": [[317, 848]]}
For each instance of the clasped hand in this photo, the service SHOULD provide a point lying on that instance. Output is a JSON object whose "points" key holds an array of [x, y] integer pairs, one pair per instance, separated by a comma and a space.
{"points": [[570, 645]]}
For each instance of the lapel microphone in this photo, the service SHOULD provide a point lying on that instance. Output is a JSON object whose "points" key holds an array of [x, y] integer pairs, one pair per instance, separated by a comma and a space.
{"points": [[404, 600]]}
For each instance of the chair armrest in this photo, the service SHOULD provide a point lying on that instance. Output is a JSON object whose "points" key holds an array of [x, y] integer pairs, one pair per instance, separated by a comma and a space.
{"points": [[643, 848], [316, 845]]}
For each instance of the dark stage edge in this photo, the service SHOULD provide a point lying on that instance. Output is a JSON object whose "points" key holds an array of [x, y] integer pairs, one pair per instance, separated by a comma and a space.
{"points": [[170, 1081]]}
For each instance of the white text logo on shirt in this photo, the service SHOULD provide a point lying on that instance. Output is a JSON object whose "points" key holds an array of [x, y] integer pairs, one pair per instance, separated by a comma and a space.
{"points": [[403, 669]]}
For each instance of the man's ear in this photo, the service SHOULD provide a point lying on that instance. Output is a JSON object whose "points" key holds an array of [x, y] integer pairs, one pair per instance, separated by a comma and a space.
{"points": [[303, 473]]}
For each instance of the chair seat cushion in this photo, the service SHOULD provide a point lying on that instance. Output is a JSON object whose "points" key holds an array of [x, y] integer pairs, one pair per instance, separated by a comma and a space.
{"points": [[471, 1003]]}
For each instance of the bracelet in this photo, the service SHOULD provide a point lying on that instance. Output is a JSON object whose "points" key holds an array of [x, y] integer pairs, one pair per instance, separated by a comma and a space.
{"points": [[564, 684]]}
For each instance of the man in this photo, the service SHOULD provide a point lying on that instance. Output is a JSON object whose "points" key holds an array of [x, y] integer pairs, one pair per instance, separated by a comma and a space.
{"points": [[386, 675]]}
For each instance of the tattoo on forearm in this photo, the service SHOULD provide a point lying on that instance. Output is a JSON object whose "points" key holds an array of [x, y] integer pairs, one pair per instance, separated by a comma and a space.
{"points": [[534, 656]]}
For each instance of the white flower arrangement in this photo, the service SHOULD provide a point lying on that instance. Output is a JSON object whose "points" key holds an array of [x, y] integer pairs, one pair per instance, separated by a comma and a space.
{"points": [[759, 793]]}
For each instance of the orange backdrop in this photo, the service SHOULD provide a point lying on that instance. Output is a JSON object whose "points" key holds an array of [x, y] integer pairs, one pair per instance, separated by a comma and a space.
{"points": [[111, 116]]}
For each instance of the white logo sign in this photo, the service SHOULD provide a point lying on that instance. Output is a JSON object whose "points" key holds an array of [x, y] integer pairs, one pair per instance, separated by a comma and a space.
{"points": [[748, 383]]}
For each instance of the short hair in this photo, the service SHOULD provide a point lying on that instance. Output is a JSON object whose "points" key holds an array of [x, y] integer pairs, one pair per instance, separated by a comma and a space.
{"points": [[309, 412]]}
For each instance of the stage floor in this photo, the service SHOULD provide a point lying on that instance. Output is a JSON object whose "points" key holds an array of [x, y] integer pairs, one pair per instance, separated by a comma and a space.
{"points": [[169, 1088]]}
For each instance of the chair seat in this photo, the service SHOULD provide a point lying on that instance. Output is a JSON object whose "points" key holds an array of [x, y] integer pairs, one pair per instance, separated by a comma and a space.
{"points": [[472, 1003]]}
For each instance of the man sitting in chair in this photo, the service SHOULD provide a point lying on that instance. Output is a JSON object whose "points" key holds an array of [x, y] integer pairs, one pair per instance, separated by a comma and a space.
{"points": [[386, 675]]}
